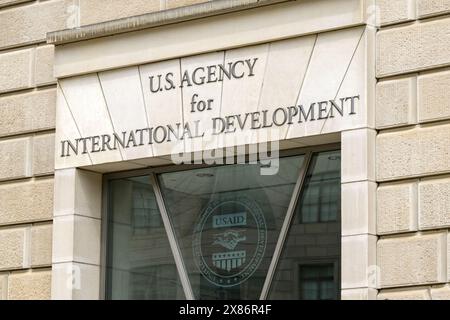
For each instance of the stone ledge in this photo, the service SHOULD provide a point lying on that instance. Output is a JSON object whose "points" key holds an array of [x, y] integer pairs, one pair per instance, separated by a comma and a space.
{"points": [[422, 293], [154, 19], [6, 3]]}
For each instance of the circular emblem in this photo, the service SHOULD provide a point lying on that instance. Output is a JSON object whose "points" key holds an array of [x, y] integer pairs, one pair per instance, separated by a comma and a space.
{"points": [[229, 241]]}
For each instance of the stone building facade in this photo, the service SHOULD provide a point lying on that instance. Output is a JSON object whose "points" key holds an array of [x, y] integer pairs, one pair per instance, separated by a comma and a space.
{"points": [[395, 183]]}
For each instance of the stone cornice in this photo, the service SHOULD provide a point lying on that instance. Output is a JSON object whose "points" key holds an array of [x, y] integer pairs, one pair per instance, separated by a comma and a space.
{"points": [[154, 19]]}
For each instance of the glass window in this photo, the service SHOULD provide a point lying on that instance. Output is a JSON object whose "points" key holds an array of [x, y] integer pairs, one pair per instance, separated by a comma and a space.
{"points": [[140, 262], [225, 222], [321, 197], [145, 213], [154, 282], [314, 238], [317, 282]]}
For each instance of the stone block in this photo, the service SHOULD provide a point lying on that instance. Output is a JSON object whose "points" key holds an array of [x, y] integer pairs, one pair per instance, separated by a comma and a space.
{"points": [[412, 260], [23, 202]]}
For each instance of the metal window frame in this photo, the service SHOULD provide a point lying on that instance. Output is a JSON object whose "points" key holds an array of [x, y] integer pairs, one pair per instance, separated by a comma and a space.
{"points": [[285, 227], [152, 172], [176, 251]]}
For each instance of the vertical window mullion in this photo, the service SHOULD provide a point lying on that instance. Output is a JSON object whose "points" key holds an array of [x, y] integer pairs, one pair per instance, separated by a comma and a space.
{"points": [[172, 239], [285, 228]]}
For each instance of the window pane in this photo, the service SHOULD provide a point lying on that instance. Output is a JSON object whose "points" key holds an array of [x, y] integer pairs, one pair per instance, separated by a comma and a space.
{"points": [[310, 290], [316, 282], [321, 196], [314, 237], [140, 262], [227, 220], [327, 291]]}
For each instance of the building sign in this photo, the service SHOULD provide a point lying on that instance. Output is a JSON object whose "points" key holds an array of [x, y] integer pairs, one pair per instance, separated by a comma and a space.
{"points": [[293, 115], [283, 90], [203, 75], [228, 247]]}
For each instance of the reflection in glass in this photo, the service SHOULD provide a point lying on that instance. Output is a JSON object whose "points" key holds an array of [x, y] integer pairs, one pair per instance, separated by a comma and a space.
{"points": [[227, 221], [309, 264], [140, 261], [320, 200], [317, 282]]}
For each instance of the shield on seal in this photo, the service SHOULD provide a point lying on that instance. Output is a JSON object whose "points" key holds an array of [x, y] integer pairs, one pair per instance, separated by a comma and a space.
{"points": [[228, 260]]}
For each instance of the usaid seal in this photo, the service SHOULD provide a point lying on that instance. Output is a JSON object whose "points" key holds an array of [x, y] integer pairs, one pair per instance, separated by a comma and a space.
{"points": [[229, 241]]}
